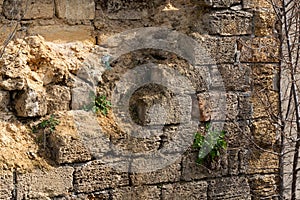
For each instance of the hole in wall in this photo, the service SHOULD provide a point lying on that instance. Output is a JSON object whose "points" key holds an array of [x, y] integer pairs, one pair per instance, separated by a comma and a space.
{"points": [[150, 105]]}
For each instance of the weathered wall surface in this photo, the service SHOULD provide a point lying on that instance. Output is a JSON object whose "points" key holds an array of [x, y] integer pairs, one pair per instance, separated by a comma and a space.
{"points": [[40, 78]]}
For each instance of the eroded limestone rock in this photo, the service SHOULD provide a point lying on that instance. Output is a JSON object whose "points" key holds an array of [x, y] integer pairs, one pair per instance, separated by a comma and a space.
{"points": [[41, 184], [6, 184], [31, 103], [4, 100]]}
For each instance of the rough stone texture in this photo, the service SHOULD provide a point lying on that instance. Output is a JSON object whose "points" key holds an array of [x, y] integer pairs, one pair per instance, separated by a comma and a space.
{"points": [[4, 100], [237, 134], [13, 84], [5, 30], [264, 103], [64, 33], [33, 9], [245, 106], [124, 10], [19, 150], [265, 49], [242, 39], [264, 187], [264, 132], [257, 4], [58, 98], [101, 195], [235, 77], [218, 105], [31, 103], [264, 23], [228, 23], [221, 4], [265, 77], [41, 184], [170, 173], [82, 94], [235, 188], [100, 174], [193, 171], [65, 142], [222, 50], [257, 161], [6, 185], [75, 9], [234, 161], [191, 190], [1, 4], [136, 193], [91, 134]]}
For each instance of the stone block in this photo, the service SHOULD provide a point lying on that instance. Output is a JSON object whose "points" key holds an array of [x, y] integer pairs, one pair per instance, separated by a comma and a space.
{"points": [[83, 94], [220, 4], [6, 29], [264, 132], [101, 195], [228, 23], [264, 102], [154, 106], [258, 161], [235, 77], [233, 161], [75, 9], [1, 4], [64, 33], [33, 9], [128, 15], [257, 4], [235, 188], [231, 106], [58, 98], [13, 84], [237, 134], [264, 23], [124, 10], [135, 145], [136, 193], [42, 184], [191, 190], [31, 103], [4, 100], [245, 107], [169, 173], [6, 185], [264, 49], [91, 134], [65, 142], [217, 105], [193, 171], [221, 50], [264, 187], [265, 77], [100, 174]]}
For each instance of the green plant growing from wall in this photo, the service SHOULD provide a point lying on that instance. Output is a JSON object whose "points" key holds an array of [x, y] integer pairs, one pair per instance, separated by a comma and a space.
{"points": [[209, 145], [47, 124], [102, 104], [50, 123], [99, 103]]}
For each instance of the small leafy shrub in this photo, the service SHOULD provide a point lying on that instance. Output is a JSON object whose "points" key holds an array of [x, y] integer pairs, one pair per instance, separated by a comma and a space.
{"points": [[100, 103], [47, 124], [50, 123], [209, 145]]}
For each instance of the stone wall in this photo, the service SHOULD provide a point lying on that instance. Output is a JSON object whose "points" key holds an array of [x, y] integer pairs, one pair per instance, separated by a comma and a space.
{"points": [[44, 75]]}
